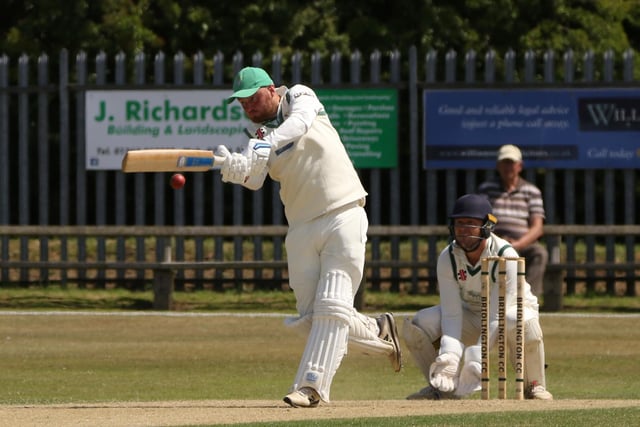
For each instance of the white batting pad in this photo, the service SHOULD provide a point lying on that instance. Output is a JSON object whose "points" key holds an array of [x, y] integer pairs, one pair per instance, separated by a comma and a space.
{"points": [[420, 346], [363, 334], [327, 342]]}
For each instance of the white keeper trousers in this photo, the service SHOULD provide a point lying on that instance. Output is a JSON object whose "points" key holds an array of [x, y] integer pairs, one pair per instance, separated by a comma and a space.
{"points": [[429, 321]]}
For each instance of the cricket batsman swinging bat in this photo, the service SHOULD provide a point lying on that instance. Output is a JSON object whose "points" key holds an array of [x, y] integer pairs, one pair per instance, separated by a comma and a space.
{"points": [[170, 160]]}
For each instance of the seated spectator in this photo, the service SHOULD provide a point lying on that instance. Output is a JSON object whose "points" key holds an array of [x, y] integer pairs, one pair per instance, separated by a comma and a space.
{"points": [[519, 205]]}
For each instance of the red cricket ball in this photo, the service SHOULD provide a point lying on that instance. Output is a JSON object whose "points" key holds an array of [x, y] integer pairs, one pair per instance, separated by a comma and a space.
{"points": [[177, 181]]}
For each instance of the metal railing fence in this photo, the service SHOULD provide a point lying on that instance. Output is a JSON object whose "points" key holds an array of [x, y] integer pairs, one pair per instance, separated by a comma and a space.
{"points": [[43, 180]]}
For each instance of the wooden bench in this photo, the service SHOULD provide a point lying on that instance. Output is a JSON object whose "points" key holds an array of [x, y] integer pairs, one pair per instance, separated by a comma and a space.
{"points": [[556, 271], [556, 275], [164, 271]]}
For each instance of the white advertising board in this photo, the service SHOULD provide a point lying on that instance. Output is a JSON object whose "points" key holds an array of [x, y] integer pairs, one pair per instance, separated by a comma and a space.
{"points": [[122, 120]]}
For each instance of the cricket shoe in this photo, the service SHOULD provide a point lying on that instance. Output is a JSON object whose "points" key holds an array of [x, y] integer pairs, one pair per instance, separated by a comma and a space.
{"points": [[432, 393], [538, 392], [306, 397], [389, 333]]}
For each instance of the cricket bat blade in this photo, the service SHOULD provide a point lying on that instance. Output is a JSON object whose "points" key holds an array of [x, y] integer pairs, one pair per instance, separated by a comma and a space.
{"points": [[170, 160]]}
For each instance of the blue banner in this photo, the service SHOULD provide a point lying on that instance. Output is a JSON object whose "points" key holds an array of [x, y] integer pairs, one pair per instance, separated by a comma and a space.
{"points": [[554, 128]]}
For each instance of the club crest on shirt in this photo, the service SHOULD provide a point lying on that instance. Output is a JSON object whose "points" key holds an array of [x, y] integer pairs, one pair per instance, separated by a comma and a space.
{"points": [[261, 132]]}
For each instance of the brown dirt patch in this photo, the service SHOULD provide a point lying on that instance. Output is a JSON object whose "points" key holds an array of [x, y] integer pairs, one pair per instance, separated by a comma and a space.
{"points": [[245, 411]]}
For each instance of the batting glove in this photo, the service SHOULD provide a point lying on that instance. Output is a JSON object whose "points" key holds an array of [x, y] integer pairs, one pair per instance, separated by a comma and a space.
{"points": [[258, 154], [222, 151], [235, 167], [443, 373]]}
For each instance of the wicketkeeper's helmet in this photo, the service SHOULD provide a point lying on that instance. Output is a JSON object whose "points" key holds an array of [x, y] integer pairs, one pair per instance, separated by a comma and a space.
{"points": [[474, 206]]}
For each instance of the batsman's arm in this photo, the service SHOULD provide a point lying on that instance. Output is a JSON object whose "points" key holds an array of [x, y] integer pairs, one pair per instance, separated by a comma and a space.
{"points": [[450, 305]]}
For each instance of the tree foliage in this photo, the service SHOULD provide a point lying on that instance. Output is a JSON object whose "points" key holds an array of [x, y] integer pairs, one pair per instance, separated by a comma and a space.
{"points": [[285, 26]]}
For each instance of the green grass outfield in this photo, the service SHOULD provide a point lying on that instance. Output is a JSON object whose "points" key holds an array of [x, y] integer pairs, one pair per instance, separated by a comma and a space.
{"points": [[78, 356]]}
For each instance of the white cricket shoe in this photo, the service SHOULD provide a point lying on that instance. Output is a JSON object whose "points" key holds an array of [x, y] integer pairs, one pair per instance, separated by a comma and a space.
{"points": [[306, 397], [389, 333], [432, 393], [538, 392]]}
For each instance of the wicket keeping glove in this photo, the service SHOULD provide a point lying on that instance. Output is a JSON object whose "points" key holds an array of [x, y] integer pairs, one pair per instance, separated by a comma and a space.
{"points": [[443, 373], [471, 373]]}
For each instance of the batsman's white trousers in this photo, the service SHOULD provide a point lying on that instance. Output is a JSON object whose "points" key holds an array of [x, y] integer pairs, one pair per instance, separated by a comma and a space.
{"points": [[334, 241], [326, 261]]}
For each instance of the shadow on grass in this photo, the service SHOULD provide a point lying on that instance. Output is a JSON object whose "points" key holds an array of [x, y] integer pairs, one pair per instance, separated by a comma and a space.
{"points": [[600, 309], [253, 301], [71, 303], [233, 306]]}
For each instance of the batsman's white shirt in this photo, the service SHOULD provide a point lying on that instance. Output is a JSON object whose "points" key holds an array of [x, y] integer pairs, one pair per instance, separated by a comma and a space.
{"points": [[460, 287], [308, 158]]}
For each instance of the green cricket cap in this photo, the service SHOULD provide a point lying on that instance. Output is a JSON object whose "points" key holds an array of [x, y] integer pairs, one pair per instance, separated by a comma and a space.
{"points": [[248, 81]]}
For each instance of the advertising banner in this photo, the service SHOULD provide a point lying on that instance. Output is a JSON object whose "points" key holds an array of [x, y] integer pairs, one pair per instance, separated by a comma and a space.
{"points": [[122, 120], [554, 128], [367, 121]]}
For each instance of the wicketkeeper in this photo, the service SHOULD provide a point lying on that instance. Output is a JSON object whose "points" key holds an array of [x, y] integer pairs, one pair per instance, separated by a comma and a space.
{"points": [[294, 142], [444, 340]]}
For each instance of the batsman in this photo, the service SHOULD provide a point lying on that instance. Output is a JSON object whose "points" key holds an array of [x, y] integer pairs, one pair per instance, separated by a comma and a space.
{"points": [[293, 141], [445, 340]]}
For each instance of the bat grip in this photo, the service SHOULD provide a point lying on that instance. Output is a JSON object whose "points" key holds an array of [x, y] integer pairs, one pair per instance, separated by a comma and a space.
{"points": [[218, 160]]}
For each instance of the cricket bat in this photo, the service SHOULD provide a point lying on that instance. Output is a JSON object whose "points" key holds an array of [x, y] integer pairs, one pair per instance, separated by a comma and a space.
{"points": [[170, 160]]}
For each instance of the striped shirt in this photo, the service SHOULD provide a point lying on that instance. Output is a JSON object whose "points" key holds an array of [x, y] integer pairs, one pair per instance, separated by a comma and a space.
{"points": [[513, 209]]}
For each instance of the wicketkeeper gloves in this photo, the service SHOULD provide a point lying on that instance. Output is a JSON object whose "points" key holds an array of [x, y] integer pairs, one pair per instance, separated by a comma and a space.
{"points": [[443, 373], [471, 373]]}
